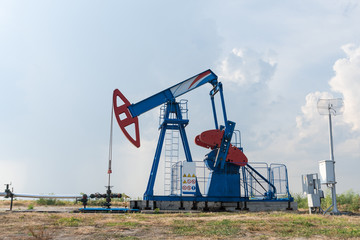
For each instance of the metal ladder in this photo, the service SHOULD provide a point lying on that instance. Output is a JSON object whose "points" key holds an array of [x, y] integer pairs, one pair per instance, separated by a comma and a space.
{"points": [[172, 144], [171, 157]]}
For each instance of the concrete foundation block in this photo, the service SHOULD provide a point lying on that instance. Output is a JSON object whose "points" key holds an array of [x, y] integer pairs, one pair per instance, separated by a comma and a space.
{"points": [[270, 206], [136, 204], [252, 206], [174, 205]]}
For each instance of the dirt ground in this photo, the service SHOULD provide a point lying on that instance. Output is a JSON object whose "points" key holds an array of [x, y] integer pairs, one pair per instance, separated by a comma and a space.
{"points": [[51, 222]]}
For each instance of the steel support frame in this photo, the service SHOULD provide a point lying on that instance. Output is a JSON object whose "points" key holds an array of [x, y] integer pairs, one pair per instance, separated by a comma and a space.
{"points": [[177, 123], [173, 107]]}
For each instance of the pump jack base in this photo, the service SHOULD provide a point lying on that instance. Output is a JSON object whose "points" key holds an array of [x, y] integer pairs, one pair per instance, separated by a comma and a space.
{"points": [[204, 206]]}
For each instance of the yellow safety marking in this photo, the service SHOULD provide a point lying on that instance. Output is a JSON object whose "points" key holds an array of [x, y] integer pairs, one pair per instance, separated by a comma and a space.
{"points": [[184, 175], [193, 175], [189, 175], [184, 181]]}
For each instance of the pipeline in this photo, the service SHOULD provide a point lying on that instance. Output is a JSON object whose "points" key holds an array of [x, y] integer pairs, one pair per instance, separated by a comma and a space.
{"points": [[46, 196], [81, 198]]}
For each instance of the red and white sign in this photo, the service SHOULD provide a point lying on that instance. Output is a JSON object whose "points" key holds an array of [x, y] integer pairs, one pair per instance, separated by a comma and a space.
{"points": [[189, 178]]}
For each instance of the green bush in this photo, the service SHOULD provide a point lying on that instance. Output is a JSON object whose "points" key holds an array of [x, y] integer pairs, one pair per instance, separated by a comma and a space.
{"points": [[349, 201], [51, 202], [301, 200], [326, 201]]}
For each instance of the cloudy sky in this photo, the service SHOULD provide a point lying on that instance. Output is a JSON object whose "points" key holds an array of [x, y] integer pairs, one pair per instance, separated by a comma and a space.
{"points": [[61, 60]]}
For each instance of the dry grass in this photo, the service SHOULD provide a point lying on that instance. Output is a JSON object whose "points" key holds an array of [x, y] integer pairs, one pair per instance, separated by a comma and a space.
{"points": [[24, 204], [6, 203], [275, 225]]}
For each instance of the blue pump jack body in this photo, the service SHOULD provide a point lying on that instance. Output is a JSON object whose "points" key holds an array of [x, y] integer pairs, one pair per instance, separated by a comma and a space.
{"points": [[224, 180], [173, 92]]}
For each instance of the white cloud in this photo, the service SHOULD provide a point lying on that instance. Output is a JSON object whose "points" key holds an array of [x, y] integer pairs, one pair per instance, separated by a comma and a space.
{"points": [[131, 166], [56, 86], [13, 172], [310, 122], [347, 82], [312, 129], [246, 67]]}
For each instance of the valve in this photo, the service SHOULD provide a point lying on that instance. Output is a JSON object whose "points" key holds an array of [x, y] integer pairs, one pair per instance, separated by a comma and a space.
{"points": [[84, 200]]}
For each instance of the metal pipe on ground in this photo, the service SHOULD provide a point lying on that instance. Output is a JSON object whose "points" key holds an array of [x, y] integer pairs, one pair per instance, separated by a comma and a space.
{"points": [[46, 196]]}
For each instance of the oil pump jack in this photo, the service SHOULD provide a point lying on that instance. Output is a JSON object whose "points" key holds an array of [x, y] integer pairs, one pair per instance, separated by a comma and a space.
{"points": [[228, 165]]}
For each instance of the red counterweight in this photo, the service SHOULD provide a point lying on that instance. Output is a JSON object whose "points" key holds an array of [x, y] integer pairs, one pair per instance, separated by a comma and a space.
{"points": [[212, 139], [124, 117]]}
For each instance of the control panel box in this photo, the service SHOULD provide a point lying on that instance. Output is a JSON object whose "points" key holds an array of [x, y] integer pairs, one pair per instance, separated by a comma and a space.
{"points": [[327, 175]]}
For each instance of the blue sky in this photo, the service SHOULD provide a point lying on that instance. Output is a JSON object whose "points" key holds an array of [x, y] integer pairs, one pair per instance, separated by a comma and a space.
{"points": [[61, 60]]}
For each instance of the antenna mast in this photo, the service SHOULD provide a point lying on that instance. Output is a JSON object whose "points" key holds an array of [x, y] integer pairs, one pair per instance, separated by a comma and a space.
{"points": [[330, 107]]}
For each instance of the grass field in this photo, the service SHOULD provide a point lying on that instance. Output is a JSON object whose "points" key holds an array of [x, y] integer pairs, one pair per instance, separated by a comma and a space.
{"points": [[240, 225]]}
